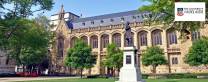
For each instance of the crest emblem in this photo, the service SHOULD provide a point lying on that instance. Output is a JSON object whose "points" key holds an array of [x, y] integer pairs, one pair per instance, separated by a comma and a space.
{"points": [[180, 12]]}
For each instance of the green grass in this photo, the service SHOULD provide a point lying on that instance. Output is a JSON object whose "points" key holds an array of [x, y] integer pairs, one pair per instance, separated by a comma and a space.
{"points": [[111, 80]]}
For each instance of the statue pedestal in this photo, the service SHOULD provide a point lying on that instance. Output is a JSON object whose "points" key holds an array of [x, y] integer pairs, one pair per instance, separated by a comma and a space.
{"points": [[130, 72]]}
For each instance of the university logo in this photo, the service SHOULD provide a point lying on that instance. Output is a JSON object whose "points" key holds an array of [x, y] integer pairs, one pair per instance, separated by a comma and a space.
{"points": [[180, 12]]}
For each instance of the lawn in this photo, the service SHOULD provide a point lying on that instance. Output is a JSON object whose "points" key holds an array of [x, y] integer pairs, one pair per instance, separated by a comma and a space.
{"points": [[111, 80]]}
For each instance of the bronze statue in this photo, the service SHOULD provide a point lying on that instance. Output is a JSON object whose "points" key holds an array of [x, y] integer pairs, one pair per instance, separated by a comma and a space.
{"points": [[128, 35]]}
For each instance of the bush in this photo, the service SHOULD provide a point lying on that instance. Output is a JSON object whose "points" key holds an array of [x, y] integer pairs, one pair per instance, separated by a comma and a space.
{"points": [[93, 76], [171, 76], [181, 76], [145, 76]]}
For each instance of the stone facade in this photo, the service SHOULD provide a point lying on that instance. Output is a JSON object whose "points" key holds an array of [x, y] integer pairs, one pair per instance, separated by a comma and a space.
{"points": [[6, 66], [143, 36]]}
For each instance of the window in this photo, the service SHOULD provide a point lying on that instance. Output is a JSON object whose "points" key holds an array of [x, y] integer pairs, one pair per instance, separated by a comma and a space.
{"points": [[102, 21], [174, 60], [138, 16], [85, 39], [143, 38], [83, 24], [111, 20], [122, 18], [195, 35], [92, 22], [117, 39], [133, 17], [60, 47], [94, 41], [156, 37], [172, 37], [73, 41], [104, 41]]}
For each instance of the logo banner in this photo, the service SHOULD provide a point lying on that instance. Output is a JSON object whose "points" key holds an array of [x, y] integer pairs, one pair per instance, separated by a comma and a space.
{"points": [[190, 11]]}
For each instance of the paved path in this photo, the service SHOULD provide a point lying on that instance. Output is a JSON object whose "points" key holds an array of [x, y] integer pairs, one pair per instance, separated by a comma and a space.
{"points": [[11, 79]]}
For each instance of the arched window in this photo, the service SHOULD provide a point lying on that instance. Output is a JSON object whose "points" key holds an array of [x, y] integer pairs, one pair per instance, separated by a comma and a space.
{"points": [[85, 39], [60, 47], [73, 41], [172, 37], [142, 37], [156, 37], [117, 39], [125, 41], [94, 41], [104, 40], [195, 35]]}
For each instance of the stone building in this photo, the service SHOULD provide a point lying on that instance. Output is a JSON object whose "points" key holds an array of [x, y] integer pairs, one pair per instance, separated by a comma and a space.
{"points": [[6, 65], [99, 31]]}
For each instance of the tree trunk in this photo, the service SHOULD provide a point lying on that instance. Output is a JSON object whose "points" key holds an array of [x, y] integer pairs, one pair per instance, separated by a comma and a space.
{"points": [[154, 69], [114, 75], [169, 66], [70, 70], [81, 72]]}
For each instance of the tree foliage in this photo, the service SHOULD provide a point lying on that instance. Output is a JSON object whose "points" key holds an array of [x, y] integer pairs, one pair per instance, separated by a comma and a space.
{"points": [[154, 57], [114, 58], [28, 45], [163, 11], [80, 56], [25, 8], [198, 53], [24, 40]]}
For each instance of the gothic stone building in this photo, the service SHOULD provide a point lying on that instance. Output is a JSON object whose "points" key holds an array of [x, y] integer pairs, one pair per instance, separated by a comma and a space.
{"points": [[99, 31]]}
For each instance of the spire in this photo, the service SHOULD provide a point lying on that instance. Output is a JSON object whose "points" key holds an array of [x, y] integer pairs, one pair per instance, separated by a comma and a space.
{"points": [[62, 12]]}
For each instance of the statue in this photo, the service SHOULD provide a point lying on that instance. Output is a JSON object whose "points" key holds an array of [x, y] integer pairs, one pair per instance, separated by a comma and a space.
{"points": [[130, 72], [128, 35]]}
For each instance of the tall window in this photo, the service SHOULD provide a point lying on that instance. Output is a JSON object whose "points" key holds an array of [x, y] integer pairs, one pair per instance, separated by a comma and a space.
{"points": [[195, 35], [142, 37], [174, 60], [156, 37], [117, 39], [94, 41], [104, 40], [60, 46], [73, 41], [172, 37], [84, 38]]}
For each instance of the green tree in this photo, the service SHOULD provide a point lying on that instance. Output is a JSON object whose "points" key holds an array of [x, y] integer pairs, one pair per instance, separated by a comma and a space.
{"points": [[24, 40], [43, 21], [162, 12], [28, 45], [198, 53], [25, 8], [114, 58], [153, 56], [80, 56]]}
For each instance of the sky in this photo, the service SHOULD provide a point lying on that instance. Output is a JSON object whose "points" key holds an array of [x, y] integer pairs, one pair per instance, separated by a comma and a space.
{"points": [[90, 8]]}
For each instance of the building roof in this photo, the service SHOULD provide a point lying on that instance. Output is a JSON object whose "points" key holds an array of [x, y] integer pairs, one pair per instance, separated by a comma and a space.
{"points": [[113, 15], [107, 19]]}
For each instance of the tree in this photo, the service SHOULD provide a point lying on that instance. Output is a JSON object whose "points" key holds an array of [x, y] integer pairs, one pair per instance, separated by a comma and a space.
{"points": [[30, 43], [162, 12], [80, 56], [23, 39], [25, 8], [154, 57], [198, 53], [43, 21], [114, 58]]}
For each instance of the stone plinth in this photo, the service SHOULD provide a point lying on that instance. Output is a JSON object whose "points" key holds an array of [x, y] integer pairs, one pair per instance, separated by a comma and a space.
{"points": [[130, 72]]}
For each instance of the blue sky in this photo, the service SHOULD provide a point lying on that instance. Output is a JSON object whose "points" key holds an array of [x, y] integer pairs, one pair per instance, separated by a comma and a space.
{"points": [[95, 7]]}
